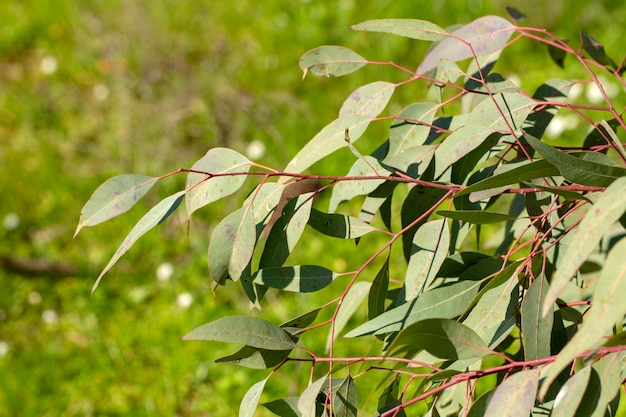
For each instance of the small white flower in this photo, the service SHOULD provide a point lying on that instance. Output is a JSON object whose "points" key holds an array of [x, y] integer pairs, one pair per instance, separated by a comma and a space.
{"points": [[184, 300], [34, 298], [11, 221], [574, 92], [48, 65], [164, 271], [50, 316], [4, 348], [255, 150], [100, 92]]}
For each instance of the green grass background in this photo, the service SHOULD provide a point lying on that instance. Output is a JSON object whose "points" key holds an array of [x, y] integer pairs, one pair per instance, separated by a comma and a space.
{"points": [[148, 87]]}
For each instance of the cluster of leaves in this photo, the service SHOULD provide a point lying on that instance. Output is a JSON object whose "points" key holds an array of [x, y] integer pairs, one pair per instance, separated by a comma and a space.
{"points": [[541, 311]]}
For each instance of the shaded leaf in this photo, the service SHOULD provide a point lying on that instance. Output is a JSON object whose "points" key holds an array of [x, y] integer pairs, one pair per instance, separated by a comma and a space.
{"points": [[475, 216], [255, 358], [349, 304], [331, 61], [250, 400], [347, 190], [379, 200], [552, 91], [479, 407], [571, 393], [409, 28], [152, 218], [301, 278], [411, 161], [250, 331], [306, 402], [596, 50], [285, 407], [202, 189], [515, 14], [389, 399], [577, 170], [536, 330], [115, 196], [346, 399], [608, 369], [368, 100], [443, 338], [378, 292], [458, 144], [485, 35], [515, 396], [430, 247], [302, 320], [339, 225]]}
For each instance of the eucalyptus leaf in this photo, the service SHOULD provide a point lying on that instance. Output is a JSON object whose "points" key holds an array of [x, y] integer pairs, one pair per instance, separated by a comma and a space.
{"points": [[250, 400], [475, 216], [331, 61], [368, 100], [301, 278], [409, 28], [339, 225], [349, 305], [515, 396]]}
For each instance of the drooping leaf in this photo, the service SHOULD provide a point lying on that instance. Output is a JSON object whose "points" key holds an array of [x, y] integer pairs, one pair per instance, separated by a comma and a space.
{"points": [[347, 190], [349, 304], [411, 127], [300, 278], [606, 309], [378, 200], [609, 370], [115, 196], [250, 400], [264, 201], [458, 144], [504, 112], [411, 161], [515, 396], [152, 218], [536, 330], [339, 225], [443, 338], [389, 399], [558, 55], [596, 50], [475, 216], [378, 292], [515, 14], [285, 407], [607, 210], [202, 189], [409, 28], [430, 247], [571, 393], [603, 133], [243, 245], [331, 61], [479, 407], [577, 170], [327, 141], [255, 358], [221, 245], [485, 35], [249, 331], [552, 91], [346, 399], [306, 402], [368, 100]]}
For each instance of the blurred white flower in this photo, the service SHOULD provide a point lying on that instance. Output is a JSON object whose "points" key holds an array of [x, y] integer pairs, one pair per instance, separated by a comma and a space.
{"points": [[50, 316], [100, 92], [34, 298], [574, 92], [164, 271], [255, 150], [515, 79], [184, 300], [4, 348], [593, 93], [11, 221], [48, 65], [560, 124]]}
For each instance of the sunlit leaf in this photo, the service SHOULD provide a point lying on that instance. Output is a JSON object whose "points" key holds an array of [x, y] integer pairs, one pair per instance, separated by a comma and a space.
{"points": [[339, 225], [475, 216], [443, 338], [204, 190], [368, 100], [515, 396], [331, 61], [300, 278], [152, 218], [306, 402], [448, 72], [411, 161], [411, 127], [409, 28], [243, 245], [571, 393], [503, 112], [114, 197], [485, 35], [430, 248], [349, 304], [347, 190], [249, 331], [536, 330], [221, 245], [250, 400], [458, 144]]}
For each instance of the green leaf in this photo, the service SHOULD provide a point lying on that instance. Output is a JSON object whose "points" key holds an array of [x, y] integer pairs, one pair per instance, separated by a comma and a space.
{"points": [[339, 225], [485, 35], [378, 200], [479, 407], [584, 239], [515, 396], [608, 369], [552, 91], [411, 161], [331, 61], [285, 407], [378, 292], [221, 245], [349, 304], [346, 399], [347, 190], [558, 55], [571, 393], [389, 399], [409, 28], [536, 330], [503, 112], [411, 127], [443, 338], [306, 402], [249, 331], [430, 247], [577, 170], [461, 142], [202, 189], [475, 216], [606, 309], [301, 278], [448, 72], [152, 218], [115, 196], [368, 100], [515, 14], [243, 245], [327, 141], [263, 201], [596, 50], [250, 400], [255, 358]]}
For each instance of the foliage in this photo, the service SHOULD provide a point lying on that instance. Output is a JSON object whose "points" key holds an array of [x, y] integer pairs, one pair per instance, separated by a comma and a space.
{"points": [[507, 257]]}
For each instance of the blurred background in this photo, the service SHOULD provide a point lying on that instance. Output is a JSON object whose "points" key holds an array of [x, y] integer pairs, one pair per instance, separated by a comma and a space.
{"points": [[92, 89]]}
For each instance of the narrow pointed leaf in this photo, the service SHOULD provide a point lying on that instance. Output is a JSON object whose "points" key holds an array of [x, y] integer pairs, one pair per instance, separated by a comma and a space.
{"points": [[577, 170], [306, 402], [607, 210], [475, 216], [503, 112], [346, 399], [443, 338], [609, 370], [571, 393], [301, 278], [152, 218], [378, 292], [409, 28], [596, 50], [430, 248], [115, 196], [250, 331], [204, 190], [331, 61], [250, 400], [339, 225], [552, 91], [515, 396], [285, 407], [221, 245], [243, 245], [368, 100], [515, 14], [536, 330], [458, 144], [485, 35], [255, 358], [349, 304]]}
